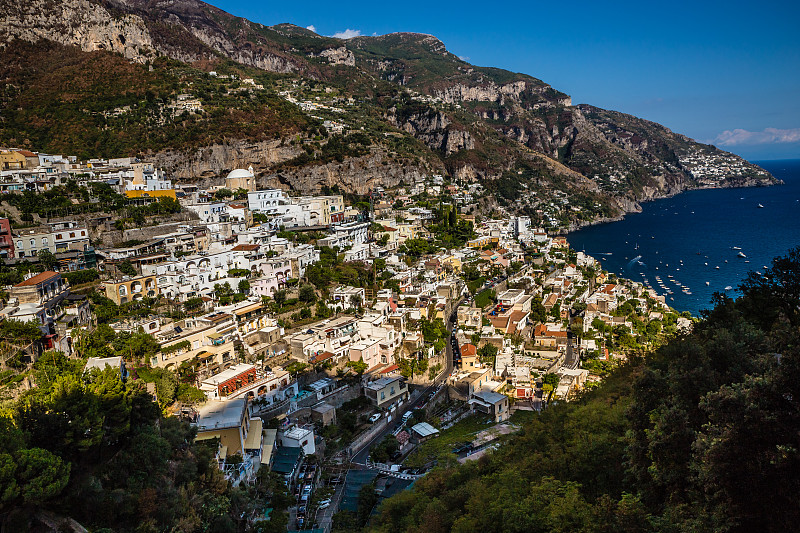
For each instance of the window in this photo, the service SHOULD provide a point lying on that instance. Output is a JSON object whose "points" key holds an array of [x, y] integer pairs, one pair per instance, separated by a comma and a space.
{"points": [[59, 236], [33, 243], [383, 395], [392, 391], [44, 241], [71, 234], [83, 233]]}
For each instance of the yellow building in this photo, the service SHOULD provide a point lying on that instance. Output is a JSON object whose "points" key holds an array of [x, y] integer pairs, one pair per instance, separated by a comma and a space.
{"points": [[165, 193], [485, 240], [133, 289], [11, 160], [229, 422]]}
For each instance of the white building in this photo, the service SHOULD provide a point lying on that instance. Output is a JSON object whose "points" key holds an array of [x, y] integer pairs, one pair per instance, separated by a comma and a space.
{"points": [[266, 201], [344, 235], [298, 437]]}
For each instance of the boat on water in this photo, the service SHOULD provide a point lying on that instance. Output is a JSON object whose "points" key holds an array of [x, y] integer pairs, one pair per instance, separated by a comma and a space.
{"points": [[728, 288], [760, 206], [707, 283], [741, 254], [717, 267], [735, 248]]}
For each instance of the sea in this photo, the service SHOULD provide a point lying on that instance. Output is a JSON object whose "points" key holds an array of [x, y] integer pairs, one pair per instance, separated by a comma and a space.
{"points": [[687, 247]]}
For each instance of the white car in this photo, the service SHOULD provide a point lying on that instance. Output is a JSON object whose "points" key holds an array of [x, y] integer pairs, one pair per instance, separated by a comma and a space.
{"points": [[374, 418], [324, 504]]}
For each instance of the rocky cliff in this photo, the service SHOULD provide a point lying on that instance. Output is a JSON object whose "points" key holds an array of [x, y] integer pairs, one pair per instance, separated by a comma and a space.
{"points": [[358, 113]]}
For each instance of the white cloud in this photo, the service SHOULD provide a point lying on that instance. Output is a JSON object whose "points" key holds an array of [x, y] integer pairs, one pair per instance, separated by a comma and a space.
{"points": [[312, 28], [346, 34], [739, 137]]}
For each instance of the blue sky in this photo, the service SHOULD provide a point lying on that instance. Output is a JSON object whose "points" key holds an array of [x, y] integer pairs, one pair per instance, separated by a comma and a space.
{"points": [[721, 72]]}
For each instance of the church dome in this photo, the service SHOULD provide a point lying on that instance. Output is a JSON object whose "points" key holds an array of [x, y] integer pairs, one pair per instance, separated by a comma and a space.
{"points": [[240, 173]]}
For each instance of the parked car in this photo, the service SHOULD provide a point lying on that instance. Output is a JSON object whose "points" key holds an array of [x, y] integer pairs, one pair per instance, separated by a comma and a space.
{"points": [[324, 504], [301, 511], [306, 493], [374, 418]]}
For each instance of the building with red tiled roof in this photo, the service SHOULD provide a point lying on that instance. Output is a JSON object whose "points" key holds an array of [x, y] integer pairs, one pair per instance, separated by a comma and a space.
{"points": [[468, 350], [42, 277], [245, 248], [390, 369]]}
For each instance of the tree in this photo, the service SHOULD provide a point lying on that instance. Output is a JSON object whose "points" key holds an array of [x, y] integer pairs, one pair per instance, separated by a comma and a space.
{"points": [[488, 353], [244, 286], [280, 298], [127, 268], [192, 305], [307, 294], [359, 367], [355, 301], [551, 379], [47, 259]]}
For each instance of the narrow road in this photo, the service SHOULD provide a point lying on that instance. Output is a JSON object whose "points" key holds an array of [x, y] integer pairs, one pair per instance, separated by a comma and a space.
{"points": [[418, 401]]}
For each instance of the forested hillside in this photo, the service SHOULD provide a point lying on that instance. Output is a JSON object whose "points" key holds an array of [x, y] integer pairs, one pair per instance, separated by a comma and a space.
{"points": [[702, 435], [92, 449]]}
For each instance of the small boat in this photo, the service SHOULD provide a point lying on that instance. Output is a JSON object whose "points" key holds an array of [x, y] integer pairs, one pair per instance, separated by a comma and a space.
{"points": [[707, 283], [735, 248], [717, 267], [728, 288], [760, 206], [741, 254]]}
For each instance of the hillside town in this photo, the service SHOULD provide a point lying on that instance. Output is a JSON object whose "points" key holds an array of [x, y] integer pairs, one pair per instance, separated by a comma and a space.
{"points": [[333, 339]]}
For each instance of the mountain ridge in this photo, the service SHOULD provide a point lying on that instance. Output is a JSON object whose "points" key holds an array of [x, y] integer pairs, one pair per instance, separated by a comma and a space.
{"points": [[421, 109]]}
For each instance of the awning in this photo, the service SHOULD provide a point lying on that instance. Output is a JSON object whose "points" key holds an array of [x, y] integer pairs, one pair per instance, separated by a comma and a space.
{"points": [[214, 335], [253, 440], [266, 454]]}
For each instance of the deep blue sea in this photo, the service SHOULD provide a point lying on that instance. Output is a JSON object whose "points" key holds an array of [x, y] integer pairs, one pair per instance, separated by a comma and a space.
{"points": [[688, 236]]}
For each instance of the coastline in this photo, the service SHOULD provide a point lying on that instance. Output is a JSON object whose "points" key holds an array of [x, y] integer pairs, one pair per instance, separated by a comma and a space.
{"points": [[637, 204]]}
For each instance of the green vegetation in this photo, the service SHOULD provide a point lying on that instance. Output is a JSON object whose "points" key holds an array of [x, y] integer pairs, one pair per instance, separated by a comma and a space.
{"points": [[668, 442], [485, 297], [439, 450], [94, 448], [332, 268], [79, 277], [118, 108]]}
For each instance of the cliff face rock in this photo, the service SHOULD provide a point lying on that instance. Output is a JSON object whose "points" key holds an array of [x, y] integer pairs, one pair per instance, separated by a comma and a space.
{"points": [[436, 131], [339, 56], [78, 23], [490, 92], [357, 174], [215, 161]]}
